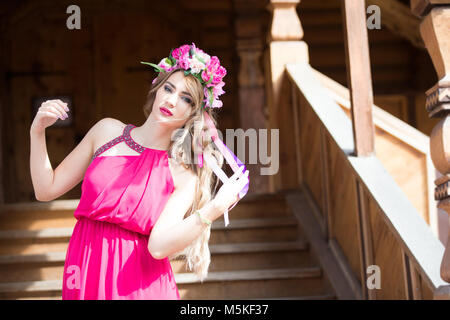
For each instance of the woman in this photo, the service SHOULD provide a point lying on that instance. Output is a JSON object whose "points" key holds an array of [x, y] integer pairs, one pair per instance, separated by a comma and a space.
{"points": [[146, 194]]}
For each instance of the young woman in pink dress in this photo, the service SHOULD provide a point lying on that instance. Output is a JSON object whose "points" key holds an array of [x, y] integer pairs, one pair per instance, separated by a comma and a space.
{"points": [[144, 196]]}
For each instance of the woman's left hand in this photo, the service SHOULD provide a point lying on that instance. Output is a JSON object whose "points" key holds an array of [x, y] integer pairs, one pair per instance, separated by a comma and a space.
{"points": [[228, 193]]}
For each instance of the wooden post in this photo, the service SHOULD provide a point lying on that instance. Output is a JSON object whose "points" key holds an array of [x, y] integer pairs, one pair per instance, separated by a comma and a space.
{"points": [[358, 75], [249, 46], [3, 93], [284, 46], [435, 31]]}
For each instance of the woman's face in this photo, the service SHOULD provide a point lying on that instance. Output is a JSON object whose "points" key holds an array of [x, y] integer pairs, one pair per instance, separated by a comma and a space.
{"points": [[173, 104]]}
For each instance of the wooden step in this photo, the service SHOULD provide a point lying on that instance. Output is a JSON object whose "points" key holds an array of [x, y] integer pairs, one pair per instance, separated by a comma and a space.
{"points": [[256, 230], [246, 284], [239, 230], [38, 215], [59, 213], [214, 249], [218, 285], [246, 256], [50, 265]]}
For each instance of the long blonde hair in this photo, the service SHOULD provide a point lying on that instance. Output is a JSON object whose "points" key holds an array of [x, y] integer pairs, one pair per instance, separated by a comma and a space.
{"points": [[181, 149]]}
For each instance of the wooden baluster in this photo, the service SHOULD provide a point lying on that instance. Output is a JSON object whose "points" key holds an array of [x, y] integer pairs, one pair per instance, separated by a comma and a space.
{"points": [[284, 46], [435, 31]]}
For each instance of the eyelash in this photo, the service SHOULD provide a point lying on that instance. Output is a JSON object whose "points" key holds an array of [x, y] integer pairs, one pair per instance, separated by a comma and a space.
{"points": [[188, 101]]}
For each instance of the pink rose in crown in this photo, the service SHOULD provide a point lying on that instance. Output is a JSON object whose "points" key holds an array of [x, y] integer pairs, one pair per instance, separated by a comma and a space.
{"points": [[219, 74], [181, 54], [216, 70]]}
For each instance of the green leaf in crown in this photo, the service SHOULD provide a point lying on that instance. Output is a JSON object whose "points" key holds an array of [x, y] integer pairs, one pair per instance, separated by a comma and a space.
{"points": [[211, 97], [157, 68], [170, 62]]}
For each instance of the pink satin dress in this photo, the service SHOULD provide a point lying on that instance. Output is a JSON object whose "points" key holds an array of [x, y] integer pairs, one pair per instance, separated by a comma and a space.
{"points": [[122, 197]]}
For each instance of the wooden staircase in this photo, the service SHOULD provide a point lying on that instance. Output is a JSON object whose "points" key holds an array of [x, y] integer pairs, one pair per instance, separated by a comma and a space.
{"points": [[262, 254]]}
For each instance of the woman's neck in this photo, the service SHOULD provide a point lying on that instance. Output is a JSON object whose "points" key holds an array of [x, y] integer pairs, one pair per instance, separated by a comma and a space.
{"points": [[153, 134]]}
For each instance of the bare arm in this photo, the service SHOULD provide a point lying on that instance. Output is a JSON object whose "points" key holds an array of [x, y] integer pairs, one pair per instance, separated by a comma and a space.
{"points": [[40, 166], [172, 233], [50, 184]]}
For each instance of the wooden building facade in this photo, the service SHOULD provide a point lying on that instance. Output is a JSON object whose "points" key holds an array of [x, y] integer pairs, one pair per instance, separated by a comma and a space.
{"points": [[289, 66]]}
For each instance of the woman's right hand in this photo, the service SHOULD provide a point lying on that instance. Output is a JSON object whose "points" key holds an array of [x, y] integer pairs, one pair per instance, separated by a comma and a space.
{"points": [[49, 112]]}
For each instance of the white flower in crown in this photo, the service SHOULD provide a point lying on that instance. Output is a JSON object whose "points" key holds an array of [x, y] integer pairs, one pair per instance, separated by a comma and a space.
{"points": [[198, 61], [202, 56], [196, 65]]}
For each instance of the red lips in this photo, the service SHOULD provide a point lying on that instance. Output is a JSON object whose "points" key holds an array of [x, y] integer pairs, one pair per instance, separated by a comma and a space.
{"points": [[165, 111]]}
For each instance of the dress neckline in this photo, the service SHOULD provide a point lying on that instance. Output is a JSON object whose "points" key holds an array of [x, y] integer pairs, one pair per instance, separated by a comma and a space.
{"points": [[127, 134]]}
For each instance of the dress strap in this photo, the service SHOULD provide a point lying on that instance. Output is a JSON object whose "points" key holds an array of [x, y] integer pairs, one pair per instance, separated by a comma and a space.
{"points": [[124, 137], [129, 140]]}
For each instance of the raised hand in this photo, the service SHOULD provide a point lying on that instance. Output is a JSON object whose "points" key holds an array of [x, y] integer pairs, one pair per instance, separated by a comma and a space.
{"points": [[49, 112], [228, 193]]}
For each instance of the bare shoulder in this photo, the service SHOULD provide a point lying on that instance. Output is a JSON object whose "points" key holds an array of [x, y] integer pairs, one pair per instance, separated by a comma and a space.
{"points": [[182, 177], [105, 130]]}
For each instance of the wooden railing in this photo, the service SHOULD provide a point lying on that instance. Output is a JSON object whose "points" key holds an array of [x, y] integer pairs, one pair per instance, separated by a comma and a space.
{"points": [[365, 216], [404, 152]]}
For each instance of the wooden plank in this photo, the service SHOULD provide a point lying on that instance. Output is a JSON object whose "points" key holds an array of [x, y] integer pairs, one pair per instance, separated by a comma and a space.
{"points": [[388, 256], [407, 276], [359, 76], [416, 283], [326, 230], [343, 207], [366, 234], [310, 152], [295, 112], [361, 242]]}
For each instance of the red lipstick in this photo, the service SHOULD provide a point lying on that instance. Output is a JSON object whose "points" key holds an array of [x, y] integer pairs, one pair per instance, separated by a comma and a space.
{"points": [[165, 111]]}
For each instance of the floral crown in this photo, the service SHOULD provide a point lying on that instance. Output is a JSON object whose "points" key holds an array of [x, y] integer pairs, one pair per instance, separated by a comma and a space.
{"points": [[198, 63]]}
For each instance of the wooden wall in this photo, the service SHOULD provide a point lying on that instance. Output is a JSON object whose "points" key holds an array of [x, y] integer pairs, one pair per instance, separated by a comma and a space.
{"points": [[98, 67]]}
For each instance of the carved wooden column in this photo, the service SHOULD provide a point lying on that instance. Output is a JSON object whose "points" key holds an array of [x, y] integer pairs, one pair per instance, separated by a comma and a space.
{"points": [[249, 40], [284, 45], [435, 31]]}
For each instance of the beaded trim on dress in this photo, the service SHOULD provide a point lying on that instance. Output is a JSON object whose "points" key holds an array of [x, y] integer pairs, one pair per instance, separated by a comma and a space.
{"points": [[124, 137]]}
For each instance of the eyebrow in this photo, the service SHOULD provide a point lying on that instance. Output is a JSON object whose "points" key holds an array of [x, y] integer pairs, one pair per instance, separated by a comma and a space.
{"points": [[187, 93]]}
